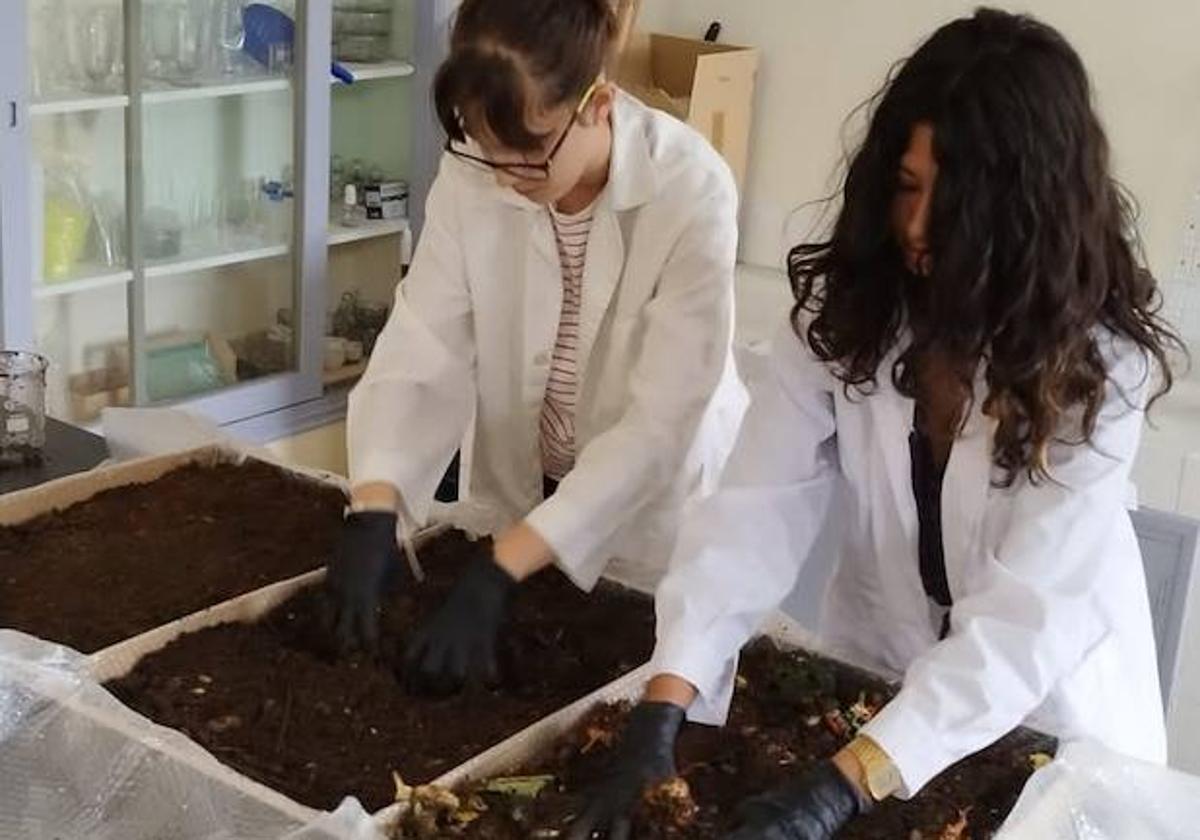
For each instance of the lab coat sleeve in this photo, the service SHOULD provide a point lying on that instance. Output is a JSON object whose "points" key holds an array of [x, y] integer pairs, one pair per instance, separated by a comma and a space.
{"points": [[740, 551], [684, 354], [411, 409], [1031, 618]]}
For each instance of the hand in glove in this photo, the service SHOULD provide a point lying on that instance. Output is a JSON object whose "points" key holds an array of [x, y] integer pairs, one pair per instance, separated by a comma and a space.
{"points": [[364, 564], [459, 643], [812, 807], [644, 756]]}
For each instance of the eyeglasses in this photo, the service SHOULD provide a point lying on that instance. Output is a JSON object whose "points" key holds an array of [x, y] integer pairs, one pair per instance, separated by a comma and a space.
{"points": [[527, 171]]}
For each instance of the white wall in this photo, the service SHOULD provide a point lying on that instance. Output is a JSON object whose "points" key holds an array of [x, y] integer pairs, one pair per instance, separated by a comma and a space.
{"points": [[821, 58]]}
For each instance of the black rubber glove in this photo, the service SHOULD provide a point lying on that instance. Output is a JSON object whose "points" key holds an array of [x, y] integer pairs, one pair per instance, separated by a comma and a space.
{"points": [[645, 756], [812, 807], [458, 645], [366, 562]]}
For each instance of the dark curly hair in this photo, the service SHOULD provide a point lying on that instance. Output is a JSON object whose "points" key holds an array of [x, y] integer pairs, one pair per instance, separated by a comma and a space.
{"points": [[1032, 242]]}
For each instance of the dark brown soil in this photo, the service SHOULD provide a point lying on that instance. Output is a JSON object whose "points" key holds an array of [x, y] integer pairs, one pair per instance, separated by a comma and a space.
{"points": [[777, 726], [132, 558], [270, 700]]}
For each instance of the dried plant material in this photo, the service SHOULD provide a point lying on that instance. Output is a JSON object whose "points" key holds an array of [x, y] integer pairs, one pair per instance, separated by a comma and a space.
{"points": [[602, 725], [799, 680], [1039, 760], [526, 787], [436, 797], [224, 723], [836, 723], [471, 810], [403, 791], [956, 830], [670, 803], [764, 744], [781, 755], [861, 712], [433, 812]]}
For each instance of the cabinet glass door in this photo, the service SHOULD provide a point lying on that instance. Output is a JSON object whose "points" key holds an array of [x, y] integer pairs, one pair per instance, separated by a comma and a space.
{"points": [[168, 201], [80, 255], [217, 119], [370, 174]]}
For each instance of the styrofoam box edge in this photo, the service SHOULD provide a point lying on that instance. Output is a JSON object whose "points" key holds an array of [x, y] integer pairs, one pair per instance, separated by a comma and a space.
{"points": [[116, 660], [127, 723], [22, 505], [119, 659]]}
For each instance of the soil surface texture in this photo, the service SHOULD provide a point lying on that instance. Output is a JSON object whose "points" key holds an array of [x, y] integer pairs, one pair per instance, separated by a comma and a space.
{"points": [[272, 700], [132, 558], [791, 709]]}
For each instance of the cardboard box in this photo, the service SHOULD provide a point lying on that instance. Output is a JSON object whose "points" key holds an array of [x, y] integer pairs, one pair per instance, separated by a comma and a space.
{"points": [[627, 15], [708, 86]]}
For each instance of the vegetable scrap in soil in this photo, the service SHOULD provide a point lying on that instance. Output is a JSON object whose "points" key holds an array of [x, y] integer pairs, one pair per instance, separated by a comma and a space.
{"points": [[273, 701], [791, 709], [136, 557]]}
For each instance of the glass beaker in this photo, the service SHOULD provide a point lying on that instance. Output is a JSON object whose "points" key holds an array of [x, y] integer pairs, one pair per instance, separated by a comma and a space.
{"points": [[22, 407]]}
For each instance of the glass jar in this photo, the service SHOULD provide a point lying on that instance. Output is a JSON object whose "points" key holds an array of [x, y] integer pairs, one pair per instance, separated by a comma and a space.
{"points": [[22, 407]]}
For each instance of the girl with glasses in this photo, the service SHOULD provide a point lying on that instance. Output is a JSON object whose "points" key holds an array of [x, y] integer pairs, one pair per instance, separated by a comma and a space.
{"points": [[569, 311]]}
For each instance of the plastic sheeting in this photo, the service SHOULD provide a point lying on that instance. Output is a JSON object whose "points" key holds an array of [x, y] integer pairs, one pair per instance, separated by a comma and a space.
{"points": [[75, 763], [1090, 793]]}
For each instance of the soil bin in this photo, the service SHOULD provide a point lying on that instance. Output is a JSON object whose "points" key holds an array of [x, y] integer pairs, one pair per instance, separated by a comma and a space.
{"points": [[272, 701], [135, 557], [790, 709]]}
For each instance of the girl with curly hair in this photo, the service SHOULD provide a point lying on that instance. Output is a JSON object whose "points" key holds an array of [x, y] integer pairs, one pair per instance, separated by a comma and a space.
{"points": [[968, 364]]}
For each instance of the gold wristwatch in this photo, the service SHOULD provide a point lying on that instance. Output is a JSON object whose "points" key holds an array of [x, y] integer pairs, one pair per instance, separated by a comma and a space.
{"points": [[880, 776]]}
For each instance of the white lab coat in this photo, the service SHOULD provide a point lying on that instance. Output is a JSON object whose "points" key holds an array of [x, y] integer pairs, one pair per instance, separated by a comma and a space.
{"points": [[1050, 624], [469, 346]]}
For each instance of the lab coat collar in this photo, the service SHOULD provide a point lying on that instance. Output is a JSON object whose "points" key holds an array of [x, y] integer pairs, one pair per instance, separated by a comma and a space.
{"points": [[632, 178]]}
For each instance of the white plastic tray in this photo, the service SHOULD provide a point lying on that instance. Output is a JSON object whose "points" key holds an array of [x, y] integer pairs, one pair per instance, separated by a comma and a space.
{"points": [[22, 505]]}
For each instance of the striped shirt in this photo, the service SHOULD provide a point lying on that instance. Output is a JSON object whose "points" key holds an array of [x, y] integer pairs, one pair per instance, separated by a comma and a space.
{"points": [[557, 425]]}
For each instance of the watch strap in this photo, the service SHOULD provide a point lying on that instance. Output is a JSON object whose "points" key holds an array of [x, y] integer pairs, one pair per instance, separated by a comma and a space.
{"points": [[881, 777]]}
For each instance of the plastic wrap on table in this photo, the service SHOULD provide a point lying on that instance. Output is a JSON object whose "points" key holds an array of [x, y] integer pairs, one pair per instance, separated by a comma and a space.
{"points": [[1090, 793], [77, 764]]}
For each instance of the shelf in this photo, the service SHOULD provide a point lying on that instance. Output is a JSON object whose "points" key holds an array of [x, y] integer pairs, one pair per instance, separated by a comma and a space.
{"points": [[188, 265], [82, 101], [79, 102], [45, 290], [381, 70], [340, 234], [344, 374], [264, 84]]}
